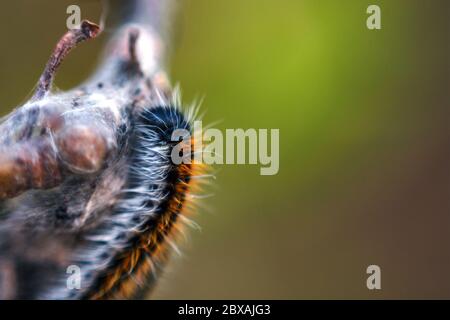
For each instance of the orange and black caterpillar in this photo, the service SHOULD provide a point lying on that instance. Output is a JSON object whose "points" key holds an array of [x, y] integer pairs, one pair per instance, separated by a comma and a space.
{"points": [[137, 238], [121, 256], [87, 178]]}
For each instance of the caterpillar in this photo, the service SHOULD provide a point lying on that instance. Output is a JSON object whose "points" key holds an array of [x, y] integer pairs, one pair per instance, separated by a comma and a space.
{"points": [[87, 177], [134, 242]]}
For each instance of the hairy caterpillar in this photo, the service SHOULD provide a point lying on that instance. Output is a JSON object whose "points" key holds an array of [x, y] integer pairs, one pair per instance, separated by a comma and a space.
{"points": [[86, 176]]}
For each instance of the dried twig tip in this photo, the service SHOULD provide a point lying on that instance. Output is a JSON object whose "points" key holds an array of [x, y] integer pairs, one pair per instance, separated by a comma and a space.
{"points": [[90, 29]]}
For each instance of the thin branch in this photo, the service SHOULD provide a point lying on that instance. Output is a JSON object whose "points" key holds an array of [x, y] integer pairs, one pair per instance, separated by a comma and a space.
{"points": [[70, 40]]}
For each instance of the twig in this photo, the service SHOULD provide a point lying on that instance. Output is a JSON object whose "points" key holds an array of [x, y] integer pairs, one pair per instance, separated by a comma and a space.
{"points": [[87, 30]]}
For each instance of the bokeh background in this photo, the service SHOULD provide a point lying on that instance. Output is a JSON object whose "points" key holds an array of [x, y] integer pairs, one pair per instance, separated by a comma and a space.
{"points": [[364, 140]]}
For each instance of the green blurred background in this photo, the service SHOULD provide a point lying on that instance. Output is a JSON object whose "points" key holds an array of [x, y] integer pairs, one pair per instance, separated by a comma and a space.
{"points": [[364, 140]]}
